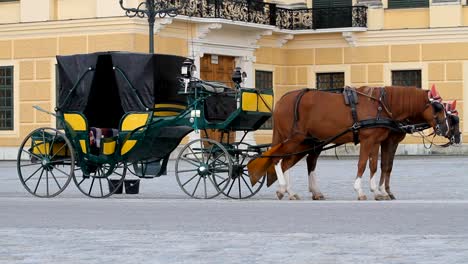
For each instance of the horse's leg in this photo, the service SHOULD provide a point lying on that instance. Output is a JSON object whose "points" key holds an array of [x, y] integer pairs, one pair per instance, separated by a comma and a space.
{"points": [[389, 147], [313, 186], [373, 161], [292, 194], [365, 150], [286, 165], [281, 181]]}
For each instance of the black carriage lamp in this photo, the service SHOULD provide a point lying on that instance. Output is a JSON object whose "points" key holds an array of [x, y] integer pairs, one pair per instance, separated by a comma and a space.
{"points": [[188, 69], [238, 77], [151, 9]]}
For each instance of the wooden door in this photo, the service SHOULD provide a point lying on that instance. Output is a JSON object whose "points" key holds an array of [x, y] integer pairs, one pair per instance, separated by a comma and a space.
{"points": [[220, 69]]}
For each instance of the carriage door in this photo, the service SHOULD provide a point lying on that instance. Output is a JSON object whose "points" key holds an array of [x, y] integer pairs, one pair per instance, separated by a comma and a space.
{"points": [[332, 13], [217, 68]]}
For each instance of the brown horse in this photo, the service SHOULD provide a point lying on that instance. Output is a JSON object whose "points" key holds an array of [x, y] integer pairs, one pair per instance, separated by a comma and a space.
{"points": [[305, 120], [389, 147]]}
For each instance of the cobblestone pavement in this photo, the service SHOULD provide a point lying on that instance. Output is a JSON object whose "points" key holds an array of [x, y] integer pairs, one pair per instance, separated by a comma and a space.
{"points": [[427, 224]]}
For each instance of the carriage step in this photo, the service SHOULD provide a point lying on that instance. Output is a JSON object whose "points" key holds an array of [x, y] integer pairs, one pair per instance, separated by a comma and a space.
{"points": [[148, 170]]}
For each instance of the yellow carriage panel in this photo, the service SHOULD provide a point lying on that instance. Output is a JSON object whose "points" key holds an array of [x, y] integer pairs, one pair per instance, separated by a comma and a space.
{"points": [[83, 146], [127, 146], [257, 102], [41, 148], [168, 109], [133, 121], [76, 121], [109, 147]]}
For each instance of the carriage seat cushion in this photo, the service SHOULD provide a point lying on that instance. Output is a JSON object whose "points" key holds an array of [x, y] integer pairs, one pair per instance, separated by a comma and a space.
{"points": [[96, 134]]}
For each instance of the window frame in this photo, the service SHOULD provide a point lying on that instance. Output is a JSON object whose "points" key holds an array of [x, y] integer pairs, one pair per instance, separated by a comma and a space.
{"points": [[11, 89], [408, 4], [394, 71], [331, 81], [269, 123]]}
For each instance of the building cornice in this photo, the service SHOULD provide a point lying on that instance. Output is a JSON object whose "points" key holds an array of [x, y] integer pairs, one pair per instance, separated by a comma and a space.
{"points": [[413, 36], [110, 25], [349, 36]]}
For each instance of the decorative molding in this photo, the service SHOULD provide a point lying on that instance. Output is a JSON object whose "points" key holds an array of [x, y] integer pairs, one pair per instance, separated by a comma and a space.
{"points": [[162, 23], [283, 39], [350, 37], [256, 36], [204, 29]]}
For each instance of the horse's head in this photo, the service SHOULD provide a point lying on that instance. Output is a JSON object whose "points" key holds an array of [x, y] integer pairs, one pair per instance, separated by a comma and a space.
{"points": [[454, 122], [436, 115]]}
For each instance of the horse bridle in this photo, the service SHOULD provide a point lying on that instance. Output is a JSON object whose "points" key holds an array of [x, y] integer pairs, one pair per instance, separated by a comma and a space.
{"points": [[436, 108]]}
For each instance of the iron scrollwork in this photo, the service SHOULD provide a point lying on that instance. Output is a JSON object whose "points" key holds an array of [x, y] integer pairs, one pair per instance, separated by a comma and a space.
{"points": [[320, 18], [256, 12]]}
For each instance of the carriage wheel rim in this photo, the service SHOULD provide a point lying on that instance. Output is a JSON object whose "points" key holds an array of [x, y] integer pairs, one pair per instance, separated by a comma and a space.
{"points": [[48, 166], [198, 157], [96, 187]]}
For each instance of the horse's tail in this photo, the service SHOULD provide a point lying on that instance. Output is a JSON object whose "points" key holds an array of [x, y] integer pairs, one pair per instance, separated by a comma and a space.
{"points": [[260, 166]]}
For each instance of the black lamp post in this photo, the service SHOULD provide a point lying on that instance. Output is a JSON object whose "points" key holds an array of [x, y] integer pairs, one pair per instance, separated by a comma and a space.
{"points": [[151, 9]]}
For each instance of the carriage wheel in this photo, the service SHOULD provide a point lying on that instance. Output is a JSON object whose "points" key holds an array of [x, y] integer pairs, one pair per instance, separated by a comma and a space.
{"points": [[45, 162], [100, 180], [203, 168], [240, 187]]}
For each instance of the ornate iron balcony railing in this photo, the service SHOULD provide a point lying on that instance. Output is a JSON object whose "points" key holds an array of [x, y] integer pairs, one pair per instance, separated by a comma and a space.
{"points": [[321, 18], [269, 14]]}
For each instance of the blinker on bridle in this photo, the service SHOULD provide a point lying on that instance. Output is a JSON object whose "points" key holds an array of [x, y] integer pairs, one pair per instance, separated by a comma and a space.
{"points": [[437, 107]]}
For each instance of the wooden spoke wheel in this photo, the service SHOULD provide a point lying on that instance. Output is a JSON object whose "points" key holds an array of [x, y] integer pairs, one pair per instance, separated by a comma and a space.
{"points": [[45, 162], [100, 180], [203, 168], [240, 187]]}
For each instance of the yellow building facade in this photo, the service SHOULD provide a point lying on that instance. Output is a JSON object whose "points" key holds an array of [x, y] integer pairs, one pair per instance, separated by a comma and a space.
{"points": [[431, 41]]}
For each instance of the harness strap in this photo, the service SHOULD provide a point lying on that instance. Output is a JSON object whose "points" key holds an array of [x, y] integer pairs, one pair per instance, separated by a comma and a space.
{"points": [[350, 94], [296, 107]]}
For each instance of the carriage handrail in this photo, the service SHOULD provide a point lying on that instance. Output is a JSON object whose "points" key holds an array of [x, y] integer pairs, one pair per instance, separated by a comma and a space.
{"points": [[132, 87], [38, 108], [74, 88]]}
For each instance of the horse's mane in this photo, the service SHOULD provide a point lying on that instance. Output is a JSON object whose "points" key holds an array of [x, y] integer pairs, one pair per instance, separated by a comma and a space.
{"points": [[406, 102]]}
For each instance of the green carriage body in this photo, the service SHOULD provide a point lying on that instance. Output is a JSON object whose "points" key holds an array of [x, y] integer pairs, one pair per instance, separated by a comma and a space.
{"points": [[142, 101]]}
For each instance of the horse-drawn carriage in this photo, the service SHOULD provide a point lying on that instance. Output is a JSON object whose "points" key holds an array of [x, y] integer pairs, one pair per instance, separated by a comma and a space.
{"points": [[125, 113]]}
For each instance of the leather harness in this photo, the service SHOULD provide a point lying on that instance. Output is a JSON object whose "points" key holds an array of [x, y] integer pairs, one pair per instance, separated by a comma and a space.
{"points": [[351, 99]]}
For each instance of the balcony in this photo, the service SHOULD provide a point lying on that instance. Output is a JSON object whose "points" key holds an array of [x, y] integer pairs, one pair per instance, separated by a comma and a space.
{"points": [[270, 14]]}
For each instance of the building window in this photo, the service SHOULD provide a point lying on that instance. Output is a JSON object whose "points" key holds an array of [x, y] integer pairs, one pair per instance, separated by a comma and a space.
{"points": [[6, 98], [264, 80], [407, 78], [330, 80], [407, 3]]}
